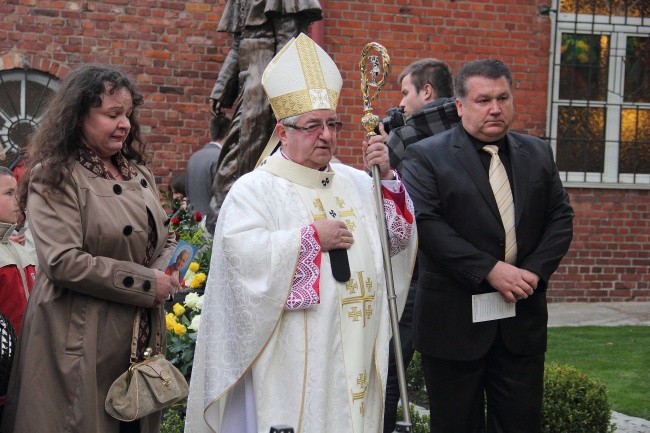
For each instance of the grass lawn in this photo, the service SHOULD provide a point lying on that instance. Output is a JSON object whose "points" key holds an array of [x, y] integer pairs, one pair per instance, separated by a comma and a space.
{"points": [[618, 356]]}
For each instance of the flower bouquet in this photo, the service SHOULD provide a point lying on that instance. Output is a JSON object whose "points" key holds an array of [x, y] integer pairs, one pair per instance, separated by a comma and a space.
{"points": [[182, 327], [184, 313]]}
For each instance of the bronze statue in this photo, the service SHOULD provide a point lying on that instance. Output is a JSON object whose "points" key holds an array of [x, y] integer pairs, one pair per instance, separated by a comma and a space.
{"points": [[260, 29]]}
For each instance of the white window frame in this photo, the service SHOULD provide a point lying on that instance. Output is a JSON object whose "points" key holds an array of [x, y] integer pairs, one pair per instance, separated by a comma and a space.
{"points": [[22, 76], [618, 28]]}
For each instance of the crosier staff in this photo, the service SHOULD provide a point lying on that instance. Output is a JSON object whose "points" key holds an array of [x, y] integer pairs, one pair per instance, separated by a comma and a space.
{"points": [[376, 78]]}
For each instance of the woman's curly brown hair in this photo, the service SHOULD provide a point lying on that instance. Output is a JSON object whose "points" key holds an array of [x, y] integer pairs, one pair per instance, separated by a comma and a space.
{"points": [[58, 134]]}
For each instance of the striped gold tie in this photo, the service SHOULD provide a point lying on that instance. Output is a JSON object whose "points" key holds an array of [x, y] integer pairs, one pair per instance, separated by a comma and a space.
{"points": [[503, 195]]}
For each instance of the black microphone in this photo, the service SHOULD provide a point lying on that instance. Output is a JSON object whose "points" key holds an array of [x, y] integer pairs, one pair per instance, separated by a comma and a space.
{"points": [[340, 265], [281, 429]]}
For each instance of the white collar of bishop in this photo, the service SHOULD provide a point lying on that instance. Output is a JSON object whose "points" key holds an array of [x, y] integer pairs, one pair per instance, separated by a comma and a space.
{"points": [[296, 173]]}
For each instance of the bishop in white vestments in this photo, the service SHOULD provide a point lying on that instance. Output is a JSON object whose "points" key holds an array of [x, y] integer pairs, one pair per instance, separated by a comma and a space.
{"points": [[295, 325]]}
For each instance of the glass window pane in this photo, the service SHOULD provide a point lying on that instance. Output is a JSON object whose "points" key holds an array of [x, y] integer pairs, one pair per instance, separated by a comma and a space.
{"points": [[10, 97], [36, 96], [581, 139], [635, 141], [584, 64], [21, 107], [629, 8], [637, 69]]}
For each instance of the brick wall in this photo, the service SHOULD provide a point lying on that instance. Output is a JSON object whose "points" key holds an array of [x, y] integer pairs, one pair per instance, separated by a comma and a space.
{"points": [[172, 48], [174, 51], [609, 257], [455, 31]]}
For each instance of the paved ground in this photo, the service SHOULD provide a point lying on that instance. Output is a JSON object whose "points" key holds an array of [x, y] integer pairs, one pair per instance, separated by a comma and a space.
{"points": [[599, 314], [605, 314]]}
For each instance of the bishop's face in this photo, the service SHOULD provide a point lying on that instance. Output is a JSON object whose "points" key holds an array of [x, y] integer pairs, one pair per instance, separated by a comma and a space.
{"points": [[311, 141]]}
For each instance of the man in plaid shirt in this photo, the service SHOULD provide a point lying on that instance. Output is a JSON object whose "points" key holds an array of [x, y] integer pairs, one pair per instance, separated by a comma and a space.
{"points": [[429, 108], [427, 103]]}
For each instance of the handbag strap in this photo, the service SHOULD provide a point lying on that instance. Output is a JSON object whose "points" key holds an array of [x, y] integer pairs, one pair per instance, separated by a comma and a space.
{"points": [[137, 317]]}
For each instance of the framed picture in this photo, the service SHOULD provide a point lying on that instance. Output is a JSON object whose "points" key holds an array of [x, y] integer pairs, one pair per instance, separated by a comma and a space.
{"points": [[181, 259]]}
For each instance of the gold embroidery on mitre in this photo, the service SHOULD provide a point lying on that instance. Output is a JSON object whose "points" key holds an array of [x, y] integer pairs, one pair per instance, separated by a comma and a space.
{"points": [[319, 99], [291, 104], [310, 64], [334, 98], [300, 101]]}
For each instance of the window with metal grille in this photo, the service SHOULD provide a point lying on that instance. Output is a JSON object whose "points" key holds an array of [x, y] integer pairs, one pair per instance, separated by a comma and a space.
{"points": [[23, 96], [600, 88]]}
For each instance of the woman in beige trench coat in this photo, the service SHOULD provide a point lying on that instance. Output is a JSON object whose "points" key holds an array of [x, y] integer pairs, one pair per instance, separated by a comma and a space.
{"points": [[101, 242]]}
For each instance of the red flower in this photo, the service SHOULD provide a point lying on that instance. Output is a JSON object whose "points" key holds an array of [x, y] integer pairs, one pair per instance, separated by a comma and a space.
{"points": [[198, 217], [175, 221]]}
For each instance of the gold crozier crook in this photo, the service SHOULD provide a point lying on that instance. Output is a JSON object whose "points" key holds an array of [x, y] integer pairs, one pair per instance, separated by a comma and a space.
{"points": [[375, 78]]}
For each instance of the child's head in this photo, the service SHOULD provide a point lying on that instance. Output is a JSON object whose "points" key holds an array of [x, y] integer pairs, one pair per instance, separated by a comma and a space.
{"points": [[9, 210], [177, 186]]}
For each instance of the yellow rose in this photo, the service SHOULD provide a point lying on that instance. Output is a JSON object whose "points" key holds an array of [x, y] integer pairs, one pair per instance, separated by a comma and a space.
{"points": [[195, 283], [179, 329], [170, 321], [178, 309], [194, 266], [201, 276]]}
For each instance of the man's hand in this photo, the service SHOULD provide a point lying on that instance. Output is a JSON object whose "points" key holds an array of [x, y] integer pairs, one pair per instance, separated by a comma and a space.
{"points": [[513, 283], [333, 234], [382, 133], [18, 239], [375, 152]]}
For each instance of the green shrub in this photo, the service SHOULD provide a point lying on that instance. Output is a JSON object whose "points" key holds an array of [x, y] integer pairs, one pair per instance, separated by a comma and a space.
{"points": [[417, 394], [573, 402], [417, 389], [419, 423], [173, 420]]}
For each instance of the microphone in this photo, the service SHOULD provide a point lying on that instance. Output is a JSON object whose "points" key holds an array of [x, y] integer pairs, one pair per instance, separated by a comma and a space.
{"points": [[340, 265]]}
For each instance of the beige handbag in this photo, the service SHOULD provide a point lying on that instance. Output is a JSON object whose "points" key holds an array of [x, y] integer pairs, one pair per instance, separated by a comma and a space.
{"points": [[146, 387]]}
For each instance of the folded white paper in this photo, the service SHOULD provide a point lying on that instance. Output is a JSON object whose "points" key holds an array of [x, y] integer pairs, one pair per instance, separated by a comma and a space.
{"points": [[491, 306]]}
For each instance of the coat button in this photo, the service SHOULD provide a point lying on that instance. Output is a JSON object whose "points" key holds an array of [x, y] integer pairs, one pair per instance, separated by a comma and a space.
{"points": [[128, 281], [146, 285], [127, 230], [502, 242], [144, 183], [117, 189]]}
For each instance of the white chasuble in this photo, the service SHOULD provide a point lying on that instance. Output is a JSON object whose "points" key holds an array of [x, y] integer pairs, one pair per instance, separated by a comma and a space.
{"points": [[325, 197], [320, 369]]}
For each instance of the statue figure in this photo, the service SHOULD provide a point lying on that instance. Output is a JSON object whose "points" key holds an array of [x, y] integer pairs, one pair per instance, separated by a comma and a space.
{"points": [[260, 29]]}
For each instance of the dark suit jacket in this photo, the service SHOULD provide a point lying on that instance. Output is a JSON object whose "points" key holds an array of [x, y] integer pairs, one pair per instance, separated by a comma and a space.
{"points": [[461, 238]]}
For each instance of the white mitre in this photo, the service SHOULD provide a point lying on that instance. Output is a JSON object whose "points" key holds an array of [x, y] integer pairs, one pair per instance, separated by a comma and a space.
{"points": [[302, 77]]}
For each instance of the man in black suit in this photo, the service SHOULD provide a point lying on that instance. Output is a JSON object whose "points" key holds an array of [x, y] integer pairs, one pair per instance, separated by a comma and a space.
{"points": [[469, 363], [429, 108]]}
